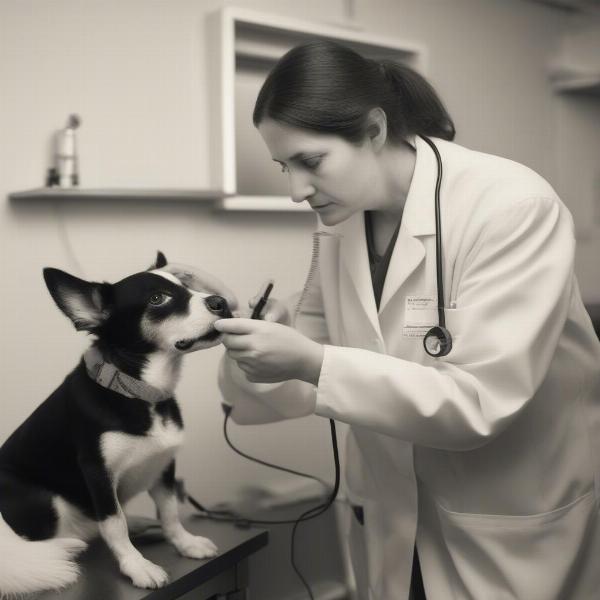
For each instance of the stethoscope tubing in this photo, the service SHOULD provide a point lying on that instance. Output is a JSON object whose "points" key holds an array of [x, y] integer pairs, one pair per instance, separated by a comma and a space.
{"points": [[438, 236], [440, 336]]}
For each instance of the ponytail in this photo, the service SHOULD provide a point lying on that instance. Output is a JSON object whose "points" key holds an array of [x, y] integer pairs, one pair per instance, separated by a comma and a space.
{"points": [[329, 88], [412, 106]]}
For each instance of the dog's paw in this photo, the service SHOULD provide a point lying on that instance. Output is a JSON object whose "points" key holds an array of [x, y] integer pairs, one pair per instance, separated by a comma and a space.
{"points": [[142, 572], [195, 546]]}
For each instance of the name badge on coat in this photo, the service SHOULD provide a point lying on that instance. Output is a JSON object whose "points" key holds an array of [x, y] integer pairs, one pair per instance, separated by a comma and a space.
{"points": [[420, 314]]}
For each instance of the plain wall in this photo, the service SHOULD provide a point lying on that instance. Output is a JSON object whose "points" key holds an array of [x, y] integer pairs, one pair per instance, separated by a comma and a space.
{"points": [[135, 70]]}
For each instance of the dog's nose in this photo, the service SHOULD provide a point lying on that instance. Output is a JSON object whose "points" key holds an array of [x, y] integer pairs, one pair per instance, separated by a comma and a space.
{"points": [[219, 306]]}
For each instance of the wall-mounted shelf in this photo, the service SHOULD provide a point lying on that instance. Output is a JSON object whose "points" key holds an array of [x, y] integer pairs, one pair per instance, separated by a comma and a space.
{"points": [[266, 203], [575, 82], [214, 199], [575, 68], [57, 193]]}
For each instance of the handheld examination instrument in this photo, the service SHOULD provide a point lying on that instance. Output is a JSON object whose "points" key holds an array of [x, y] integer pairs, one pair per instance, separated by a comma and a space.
{"points": [[262, 301]]}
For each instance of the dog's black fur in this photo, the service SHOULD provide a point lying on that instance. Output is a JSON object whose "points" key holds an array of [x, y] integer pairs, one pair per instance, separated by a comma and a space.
{"points": [[60, 451], [57, 451]]}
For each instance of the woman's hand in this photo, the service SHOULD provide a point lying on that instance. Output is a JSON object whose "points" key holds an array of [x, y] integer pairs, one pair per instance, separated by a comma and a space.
{"points": [[269, 352], [201, 281]]}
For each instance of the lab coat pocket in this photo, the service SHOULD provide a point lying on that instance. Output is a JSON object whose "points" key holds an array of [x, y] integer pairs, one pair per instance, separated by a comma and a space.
{"points": [[464, 343], [358, 556], [455, 318], [365, 549], [521, 557]]}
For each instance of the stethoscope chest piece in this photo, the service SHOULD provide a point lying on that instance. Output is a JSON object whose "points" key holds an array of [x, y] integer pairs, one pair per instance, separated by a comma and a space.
{"points": [[437, 341]]}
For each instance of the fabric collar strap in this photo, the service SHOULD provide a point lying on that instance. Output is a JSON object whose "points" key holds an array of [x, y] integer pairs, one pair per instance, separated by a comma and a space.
{"points": [[107, 375]]}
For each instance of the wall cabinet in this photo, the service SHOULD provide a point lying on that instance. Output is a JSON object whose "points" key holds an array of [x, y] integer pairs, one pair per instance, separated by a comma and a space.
{"points": [[245, 45]]}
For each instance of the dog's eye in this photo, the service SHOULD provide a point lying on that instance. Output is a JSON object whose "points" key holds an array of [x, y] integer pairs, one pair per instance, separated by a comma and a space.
{"points": [[158, 299]]}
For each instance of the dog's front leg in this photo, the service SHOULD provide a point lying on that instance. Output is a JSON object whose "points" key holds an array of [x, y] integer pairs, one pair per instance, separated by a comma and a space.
{"points": [[113, 528], [163, 494]]}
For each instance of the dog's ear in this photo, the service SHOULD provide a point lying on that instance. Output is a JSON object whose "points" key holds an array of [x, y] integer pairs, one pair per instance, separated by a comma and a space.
{"points": [[161, 261], [85, 303]]}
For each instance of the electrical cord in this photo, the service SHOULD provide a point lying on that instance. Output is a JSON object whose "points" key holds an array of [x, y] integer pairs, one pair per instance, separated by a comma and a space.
{"points": [[219, 515], [63, 236], [227, 411], [317, 510]]}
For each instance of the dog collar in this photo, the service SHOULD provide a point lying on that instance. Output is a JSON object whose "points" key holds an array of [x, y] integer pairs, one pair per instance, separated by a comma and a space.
{"points": [[107, 375]]}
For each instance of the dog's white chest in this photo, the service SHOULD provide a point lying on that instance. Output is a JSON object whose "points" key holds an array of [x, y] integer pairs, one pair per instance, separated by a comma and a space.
{"points": [[136, 462]]}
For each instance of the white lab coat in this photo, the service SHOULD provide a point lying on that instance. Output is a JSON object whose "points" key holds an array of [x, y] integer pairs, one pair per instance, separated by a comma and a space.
{"points": [[488, 458]]}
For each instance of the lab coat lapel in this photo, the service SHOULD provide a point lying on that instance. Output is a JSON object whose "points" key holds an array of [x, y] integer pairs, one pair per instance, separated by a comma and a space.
{"points": [[408, 254], [418, 220], [356, 262]]}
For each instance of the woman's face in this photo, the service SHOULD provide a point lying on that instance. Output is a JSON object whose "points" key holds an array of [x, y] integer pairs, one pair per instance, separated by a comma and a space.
{"points": [[337, 178]]}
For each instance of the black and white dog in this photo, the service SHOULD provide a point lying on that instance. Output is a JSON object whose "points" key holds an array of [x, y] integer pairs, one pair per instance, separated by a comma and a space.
{"points": [[108, 432]]}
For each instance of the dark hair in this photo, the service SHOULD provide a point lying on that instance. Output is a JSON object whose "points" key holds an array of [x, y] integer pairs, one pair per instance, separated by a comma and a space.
{"points": [[330, 88]]}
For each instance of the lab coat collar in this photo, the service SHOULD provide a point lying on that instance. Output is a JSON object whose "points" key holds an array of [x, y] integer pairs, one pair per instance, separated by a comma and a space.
{"points": [[419, 209], [418, 219]]}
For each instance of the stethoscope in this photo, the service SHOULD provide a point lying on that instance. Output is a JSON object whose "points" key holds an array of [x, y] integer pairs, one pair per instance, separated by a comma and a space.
{"points": [[438, 341]]}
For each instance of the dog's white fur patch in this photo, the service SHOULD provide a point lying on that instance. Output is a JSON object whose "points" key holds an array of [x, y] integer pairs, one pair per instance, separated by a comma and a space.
{"points": [[143, 573], [167, 275], [162, 371], [136, 462], [192, 546], [32, 566], [71, 521]]}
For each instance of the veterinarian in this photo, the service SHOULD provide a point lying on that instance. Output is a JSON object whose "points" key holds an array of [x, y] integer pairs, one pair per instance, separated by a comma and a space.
{"points": [[476, 470]]}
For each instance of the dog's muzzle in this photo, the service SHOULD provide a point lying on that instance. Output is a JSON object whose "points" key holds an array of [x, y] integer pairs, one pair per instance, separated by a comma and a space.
{"points": [[216, 305]]}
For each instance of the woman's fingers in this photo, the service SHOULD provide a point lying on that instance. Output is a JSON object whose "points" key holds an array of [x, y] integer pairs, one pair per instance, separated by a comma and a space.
{"points": [[236, 326], [237, 355], [274, 310], [235, 343]]}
